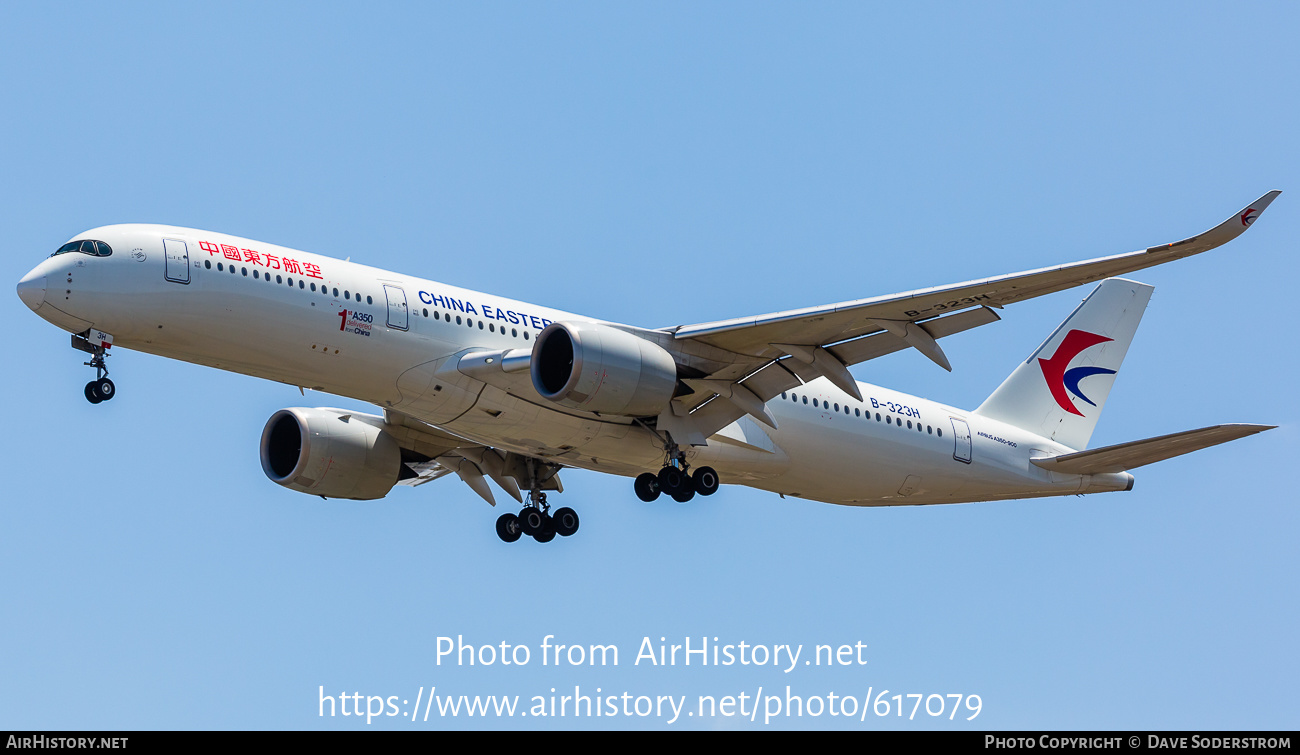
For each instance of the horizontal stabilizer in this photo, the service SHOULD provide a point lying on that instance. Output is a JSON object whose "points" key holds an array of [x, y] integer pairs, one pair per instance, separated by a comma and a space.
{"points": [[1139, 453]]}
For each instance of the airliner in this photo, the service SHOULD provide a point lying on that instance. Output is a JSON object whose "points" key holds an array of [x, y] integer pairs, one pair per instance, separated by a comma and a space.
{"points": [[493, 389]]}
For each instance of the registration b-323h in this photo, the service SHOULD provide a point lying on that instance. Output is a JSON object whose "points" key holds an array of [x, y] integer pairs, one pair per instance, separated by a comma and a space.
{"points": [[492, 389]]}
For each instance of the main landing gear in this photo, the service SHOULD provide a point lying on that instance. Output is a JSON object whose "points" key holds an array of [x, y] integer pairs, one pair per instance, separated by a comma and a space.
{"points": [[676, 483], [675, 478], [101, 388], [536, 519]]}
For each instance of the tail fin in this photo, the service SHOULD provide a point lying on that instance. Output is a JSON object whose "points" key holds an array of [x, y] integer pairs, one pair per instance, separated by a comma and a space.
{"points": [[1060, 390]]}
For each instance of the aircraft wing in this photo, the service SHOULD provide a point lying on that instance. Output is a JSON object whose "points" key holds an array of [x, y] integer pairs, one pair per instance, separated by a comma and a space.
{"points": [[778, 351], [430, 453], [833, 323]]}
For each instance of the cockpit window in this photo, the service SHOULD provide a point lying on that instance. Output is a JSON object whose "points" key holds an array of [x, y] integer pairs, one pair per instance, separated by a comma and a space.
{"points": [[86, 246]]}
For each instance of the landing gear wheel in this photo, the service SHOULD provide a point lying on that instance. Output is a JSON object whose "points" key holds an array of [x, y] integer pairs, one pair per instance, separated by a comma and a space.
{"points": [[566, 521], [508, 528], [685, 494], [672, 480], [647, 487], [105, 388], [92, 392], [531, 521], [546, 533], [705, 480]]}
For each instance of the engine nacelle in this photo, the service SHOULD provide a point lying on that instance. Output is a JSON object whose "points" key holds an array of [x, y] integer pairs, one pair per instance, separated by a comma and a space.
{"points": [[331, 453], [601, 369]]}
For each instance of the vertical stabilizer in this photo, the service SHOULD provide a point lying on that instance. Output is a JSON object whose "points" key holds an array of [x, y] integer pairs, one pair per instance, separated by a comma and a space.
{"points": [[1060, 390]]}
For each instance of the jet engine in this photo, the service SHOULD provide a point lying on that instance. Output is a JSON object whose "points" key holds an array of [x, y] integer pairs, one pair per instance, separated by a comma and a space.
{"points": [[600, 369], [331, 453]]}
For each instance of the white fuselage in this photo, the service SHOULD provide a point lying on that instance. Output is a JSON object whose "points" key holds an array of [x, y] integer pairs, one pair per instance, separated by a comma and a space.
{"points": [[386, 338]]}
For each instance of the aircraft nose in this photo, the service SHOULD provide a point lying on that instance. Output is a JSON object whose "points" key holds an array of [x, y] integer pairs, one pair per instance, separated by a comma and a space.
{"points": [[31, 289]]}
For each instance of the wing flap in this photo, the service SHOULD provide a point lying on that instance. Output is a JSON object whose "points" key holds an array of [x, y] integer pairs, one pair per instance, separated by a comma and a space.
{"points": [[1125, 456], [880, 344], [709, 412]]}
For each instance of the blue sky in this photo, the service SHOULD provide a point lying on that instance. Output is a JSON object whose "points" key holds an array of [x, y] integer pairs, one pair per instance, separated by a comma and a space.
{"points": [[657, 164]]}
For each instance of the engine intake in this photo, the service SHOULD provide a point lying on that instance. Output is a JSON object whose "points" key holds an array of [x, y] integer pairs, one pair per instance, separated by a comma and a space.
{"points": [[331, 453], [600, 369]]}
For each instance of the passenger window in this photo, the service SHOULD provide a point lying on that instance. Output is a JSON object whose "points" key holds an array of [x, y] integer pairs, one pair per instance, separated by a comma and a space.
{"points": [[370, 300], [805, 400], [244, 270], [347, 295], [220, 268], [207, 264], [336, 292], [426, 313], [857, 412]]}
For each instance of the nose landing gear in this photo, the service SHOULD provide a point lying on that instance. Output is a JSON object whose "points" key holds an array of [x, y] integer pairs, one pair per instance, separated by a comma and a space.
{"points": [[101, 388]]}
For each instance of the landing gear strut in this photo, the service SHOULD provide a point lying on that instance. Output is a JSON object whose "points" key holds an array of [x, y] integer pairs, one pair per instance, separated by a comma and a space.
{"points": [[675, 478], [101, 388], [536, 519]]}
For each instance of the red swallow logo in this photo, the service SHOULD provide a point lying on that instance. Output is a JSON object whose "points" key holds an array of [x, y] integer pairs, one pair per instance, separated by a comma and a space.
{"points": [[1248, 216], [1059, 380]]}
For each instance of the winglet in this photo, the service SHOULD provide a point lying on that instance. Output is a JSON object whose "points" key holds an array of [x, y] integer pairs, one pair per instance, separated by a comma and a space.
{"points": [[1221, 233]]}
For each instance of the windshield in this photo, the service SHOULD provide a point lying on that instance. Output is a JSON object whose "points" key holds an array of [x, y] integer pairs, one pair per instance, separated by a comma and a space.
{"points": [[85, 246]]}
